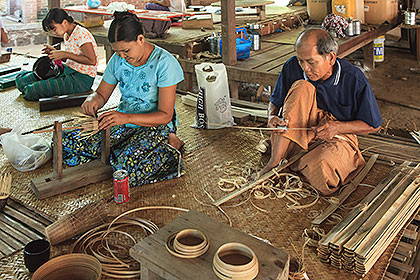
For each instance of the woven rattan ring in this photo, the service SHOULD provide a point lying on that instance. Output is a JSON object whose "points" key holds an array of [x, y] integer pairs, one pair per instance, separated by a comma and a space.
{"points": [[187, 243], [235, 261]]}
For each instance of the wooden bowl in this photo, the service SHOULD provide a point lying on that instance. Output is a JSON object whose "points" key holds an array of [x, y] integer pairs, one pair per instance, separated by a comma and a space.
{"points": [[70, 267]]}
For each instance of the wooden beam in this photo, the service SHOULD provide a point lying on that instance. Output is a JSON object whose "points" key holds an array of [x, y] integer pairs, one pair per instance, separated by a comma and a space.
{"points": [[350, 45], [73, 178], [62, 101], [228, 32]]}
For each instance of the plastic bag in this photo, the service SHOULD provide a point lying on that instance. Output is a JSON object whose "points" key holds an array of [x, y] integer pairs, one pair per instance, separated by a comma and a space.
{"points": [[213, 109], [25, 152]]}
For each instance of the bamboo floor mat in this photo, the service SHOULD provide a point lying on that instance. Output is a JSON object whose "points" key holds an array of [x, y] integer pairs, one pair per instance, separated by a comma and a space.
{"points": [[204, 149]]}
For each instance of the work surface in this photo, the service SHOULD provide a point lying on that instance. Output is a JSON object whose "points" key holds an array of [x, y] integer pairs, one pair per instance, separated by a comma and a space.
{"points": [[204, 149], [151, 252]]}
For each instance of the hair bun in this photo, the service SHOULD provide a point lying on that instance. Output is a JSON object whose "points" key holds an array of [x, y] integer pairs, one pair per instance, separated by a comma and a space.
{"points": [[121, 15]]}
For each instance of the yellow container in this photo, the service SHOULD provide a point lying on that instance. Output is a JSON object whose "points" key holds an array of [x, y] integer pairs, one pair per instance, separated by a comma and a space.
{"points": [[349, 9], [378, 49]]}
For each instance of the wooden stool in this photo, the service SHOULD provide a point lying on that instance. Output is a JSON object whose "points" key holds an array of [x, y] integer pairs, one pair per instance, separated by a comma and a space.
{"points": [[157, 263], [60, 181]]}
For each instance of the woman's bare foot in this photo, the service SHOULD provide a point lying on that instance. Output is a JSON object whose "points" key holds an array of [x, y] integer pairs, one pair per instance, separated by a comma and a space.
{"points": [[175, 142]]}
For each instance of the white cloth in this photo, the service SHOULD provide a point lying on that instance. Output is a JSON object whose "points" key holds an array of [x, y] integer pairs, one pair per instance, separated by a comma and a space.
{"points": [[177, 6]]}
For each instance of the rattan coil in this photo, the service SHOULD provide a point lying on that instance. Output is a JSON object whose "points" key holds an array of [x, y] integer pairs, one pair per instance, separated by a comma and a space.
{"points": [[227, 266]]}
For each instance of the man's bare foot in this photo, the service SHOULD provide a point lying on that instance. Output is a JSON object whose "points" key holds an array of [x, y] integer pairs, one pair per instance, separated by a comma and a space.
{"points": [[175, 142], [270, 165]]}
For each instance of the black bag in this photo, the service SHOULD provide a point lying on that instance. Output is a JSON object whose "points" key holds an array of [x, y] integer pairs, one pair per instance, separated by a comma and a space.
{"points": [[45, 68]]}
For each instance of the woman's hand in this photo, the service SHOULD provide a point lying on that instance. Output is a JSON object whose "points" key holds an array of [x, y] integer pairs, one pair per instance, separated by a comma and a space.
{"points": [[48, 49], [90, 106], [57, 55], [113, 118]]}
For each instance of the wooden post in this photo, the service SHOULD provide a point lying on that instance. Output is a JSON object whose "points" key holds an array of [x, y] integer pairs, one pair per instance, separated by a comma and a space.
{"points": [[228, 32], [105, 146], [58, 150], [418, 43], [368, 59]]}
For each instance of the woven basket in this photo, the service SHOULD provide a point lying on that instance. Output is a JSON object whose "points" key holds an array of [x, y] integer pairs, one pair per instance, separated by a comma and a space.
{"points": [[70, 267], [80, 221]]}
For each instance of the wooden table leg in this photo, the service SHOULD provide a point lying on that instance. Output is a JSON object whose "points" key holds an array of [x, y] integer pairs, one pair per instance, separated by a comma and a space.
{"points": [[418, 44], [147, 274], [261, 12], [105, 145], [234, 92], [368, 59], [58, 150]]}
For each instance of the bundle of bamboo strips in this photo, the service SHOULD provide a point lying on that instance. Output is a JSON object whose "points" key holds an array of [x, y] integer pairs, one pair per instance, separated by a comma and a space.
{"points": [[360, 238], [5, 184], [391, 149]]}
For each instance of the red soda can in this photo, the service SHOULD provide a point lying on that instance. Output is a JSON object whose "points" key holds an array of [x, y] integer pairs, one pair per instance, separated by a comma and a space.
{"points": [[121, 187]]}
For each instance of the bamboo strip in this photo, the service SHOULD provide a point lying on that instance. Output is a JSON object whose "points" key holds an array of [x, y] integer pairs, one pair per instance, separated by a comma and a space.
{"points": [[371, 197], [347, 191], [264, 177], [376, 212]]}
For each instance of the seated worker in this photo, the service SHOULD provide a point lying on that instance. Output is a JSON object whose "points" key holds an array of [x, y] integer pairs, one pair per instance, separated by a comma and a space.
{"points": [[317, 90], [80, 54], [166, 5], [4, 39], [143, 127]]}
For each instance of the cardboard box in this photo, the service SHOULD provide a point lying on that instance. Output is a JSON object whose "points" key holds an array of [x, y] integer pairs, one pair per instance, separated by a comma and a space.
{"points": [[379, 11], [197, 21]]}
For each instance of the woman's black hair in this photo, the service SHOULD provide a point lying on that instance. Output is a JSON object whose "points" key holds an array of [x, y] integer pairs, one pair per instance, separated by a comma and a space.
{"points": [[55, 15], [126, 27]]}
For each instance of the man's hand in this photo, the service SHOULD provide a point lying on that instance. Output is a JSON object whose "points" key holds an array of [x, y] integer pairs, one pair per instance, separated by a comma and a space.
{"points": [[48, 49], [112, 118], [275, 122], [57, 55], [326, 130]]}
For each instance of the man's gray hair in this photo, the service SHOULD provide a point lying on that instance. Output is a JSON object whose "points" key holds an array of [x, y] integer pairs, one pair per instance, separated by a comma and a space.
{"points": [[325, 42]]}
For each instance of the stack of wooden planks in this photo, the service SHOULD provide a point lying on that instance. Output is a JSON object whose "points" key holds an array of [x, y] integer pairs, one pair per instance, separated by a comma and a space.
{"points": [[357, 242], [19, 226]]}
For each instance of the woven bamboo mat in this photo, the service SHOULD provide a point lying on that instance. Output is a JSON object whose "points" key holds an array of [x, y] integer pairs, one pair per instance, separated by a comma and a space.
{"points": [[204, 149]]}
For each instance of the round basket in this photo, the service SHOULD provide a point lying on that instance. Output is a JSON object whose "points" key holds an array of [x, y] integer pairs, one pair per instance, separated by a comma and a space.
{"points": [[70, 267], [235, 261]]}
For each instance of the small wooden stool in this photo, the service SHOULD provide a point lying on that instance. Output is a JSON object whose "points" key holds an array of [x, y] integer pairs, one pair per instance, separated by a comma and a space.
{"points": [[157, 263]]}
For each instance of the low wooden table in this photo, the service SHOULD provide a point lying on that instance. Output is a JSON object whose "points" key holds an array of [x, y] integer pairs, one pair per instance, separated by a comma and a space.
{"points": [[416, 38], [258, 4], [157, 263]]}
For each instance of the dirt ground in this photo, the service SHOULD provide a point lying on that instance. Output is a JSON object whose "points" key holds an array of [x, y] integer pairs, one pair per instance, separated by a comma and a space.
{"points": [[394, 81]]}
